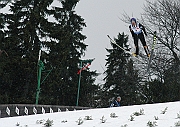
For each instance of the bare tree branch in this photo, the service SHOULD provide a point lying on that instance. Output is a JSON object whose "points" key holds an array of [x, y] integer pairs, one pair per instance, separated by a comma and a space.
{"points": [[162, 16], [1, 51]]}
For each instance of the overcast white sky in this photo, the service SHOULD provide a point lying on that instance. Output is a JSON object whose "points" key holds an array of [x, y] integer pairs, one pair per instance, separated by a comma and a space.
{"points": [[101, 17]]}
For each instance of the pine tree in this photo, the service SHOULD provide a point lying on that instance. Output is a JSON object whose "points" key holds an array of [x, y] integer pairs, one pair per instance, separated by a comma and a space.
{"points": [[29, 30], [65, 55], [121, 77], [23, 40]]}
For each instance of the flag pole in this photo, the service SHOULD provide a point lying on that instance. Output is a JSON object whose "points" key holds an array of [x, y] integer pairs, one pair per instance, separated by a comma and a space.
{"points": [[79, 83], [79, 72]]}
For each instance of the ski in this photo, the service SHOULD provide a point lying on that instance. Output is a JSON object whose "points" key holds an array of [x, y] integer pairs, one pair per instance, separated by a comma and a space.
{"points": [[152, 50], [112, 41]]}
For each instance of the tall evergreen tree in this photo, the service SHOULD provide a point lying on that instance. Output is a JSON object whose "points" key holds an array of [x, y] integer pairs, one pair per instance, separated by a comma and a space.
{"points": [[22, 42], [121, 77], [29, 29], [65, 54]]}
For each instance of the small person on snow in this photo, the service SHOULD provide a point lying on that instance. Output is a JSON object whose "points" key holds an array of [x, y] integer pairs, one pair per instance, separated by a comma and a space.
{"points": [[116, 103], [136, 31]]}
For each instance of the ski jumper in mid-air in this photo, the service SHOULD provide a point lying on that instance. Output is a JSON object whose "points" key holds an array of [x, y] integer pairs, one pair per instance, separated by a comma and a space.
{"points": [[137, 30]]}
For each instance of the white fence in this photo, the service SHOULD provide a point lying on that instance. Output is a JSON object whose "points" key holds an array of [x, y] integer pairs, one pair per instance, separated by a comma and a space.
{"points": [[11, 110]]}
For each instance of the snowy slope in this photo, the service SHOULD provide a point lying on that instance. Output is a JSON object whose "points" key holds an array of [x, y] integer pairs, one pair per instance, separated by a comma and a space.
{"points": [[165, 120]]}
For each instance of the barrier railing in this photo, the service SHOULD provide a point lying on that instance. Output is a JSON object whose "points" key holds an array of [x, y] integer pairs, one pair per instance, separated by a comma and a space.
{"points": [[11, 110]]}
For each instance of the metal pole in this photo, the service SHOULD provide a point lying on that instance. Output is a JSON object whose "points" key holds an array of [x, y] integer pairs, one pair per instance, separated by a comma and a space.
{"points": [[40, 65], [39, 76], [79, 82], [40, 68]]}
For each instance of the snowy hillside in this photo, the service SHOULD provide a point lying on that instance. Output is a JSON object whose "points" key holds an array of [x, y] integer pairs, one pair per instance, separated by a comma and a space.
{"points": [[113, 117]]}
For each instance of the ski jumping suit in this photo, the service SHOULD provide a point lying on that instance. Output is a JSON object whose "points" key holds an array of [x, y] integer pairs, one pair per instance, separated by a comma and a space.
{"points": [[137, 34]]}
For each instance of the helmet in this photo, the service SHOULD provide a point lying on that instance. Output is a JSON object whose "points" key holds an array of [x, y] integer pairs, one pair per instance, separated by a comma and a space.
{"points": [[133, 19], [118, 97]]}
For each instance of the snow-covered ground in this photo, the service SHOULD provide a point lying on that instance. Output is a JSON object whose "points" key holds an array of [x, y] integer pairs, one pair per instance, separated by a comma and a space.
{"points": [[69, 118]]}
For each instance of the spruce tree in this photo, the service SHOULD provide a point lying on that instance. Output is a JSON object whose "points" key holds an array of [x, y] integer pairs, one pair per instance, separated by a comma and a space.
{"points": [[65, 55], [29, 30], [121, 77], [24, 38]]}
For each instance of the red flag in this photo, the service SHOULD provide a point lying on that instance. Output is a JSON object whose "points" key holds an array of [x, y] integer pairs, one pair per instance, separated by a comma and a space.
{"points": [[83, 68]]}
